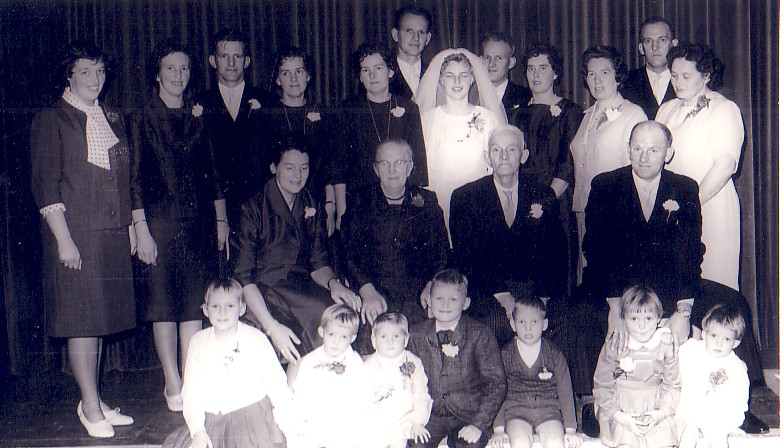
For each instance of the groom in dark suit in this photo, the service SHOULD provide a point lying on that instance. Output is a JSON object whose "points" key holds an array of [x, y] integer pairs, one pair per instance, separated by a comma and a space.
{"points": [[411, 34], [649, 86], [498, 51], [506, 235]]}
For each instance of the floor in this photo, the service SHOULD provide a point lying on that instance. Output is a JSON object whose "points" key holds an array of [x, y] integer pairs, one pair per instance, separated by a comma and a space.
{"points": [[41, 411]]}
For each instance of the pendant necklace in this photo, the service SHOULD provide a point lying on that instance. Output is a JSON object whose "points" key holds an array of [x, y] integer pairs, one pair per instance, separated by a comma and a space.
{"points": [[304, 119], [389, 119]]}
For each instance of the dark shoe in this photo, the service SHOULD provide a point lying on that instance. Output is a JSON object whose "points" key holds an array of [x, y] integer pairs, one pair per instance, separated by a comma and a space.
{"points": [[590, 425], [753, 425]]}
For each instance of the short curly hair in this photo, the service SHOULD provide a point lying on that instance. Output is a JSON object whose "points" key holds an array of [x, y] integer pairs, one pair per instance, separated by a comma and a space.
{"points": [[370, 48], [609, 53], [704, 59], [81, 49], [553, 54]]}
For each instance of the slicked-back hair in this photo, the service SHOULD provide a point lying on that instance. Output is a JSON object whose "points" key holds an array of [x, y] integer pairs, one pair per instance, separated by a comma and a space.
{"points": [[499, 37], [654, 20], [229, 35], [414, 11]]}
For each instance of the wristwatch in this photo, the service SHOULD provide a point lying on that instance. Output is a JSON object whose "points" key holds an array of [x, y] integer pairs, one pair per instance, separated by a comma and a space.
{"points": [[685, 313]]}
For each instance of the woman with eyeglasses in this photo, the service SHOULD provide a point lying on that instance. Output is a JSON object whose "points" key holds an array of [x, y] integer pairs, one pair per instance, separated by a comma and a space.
{"points": [[395, 239]]}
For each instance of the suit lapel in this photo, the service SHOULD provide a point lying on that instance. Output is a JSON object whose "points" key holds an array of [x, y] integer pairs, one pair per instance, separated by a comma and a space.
{"points": [[633, 197], [489, 194], [433, 346]]}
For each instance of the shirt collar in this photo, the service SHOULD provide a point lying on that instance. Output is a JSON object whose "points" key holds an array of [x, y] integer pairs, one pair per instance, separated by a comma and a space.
{"points": [[653, 75], [500, 90], [416, 67], [226, 90], [452, 327], [646, 185]]}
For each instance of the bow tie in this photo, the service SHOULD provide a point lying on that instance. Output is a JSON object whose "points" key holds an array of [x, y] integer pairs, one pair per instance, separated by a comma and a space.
{"points": [[446, 337]]}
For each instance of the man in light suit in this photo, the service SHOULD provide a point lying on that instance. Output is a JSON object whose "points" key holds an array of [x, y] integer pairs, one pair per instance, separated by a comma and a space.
{"points": [[411, 35], [649, 86], [498, 52], [506, 235]]}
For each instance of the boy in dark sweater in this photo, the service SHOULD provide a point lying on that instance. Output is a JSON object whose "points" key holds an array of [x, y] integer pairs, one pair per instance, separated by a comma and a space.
{"points": [[539, 397]]}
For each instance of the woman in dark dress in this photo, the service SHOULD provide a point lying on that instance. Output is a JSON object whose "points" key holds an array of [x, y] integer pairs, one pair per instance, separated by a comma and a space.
{"points": [[372, 117], [395, 239], [549, 124], [177, 207], [296, 112], [80, 180], [283, 263]]}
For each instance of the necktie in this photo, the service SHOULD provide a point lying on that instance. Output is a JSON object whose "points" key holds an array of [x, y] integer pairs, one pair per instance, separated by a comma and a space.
{"points": [[509, 208], [445, 337], [234, 110]]}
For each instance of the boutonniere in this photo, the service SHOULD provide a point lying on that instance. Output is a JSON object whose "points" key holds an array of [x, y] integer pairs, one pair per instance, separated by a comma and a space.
{"points": [[197, 110], [335, 366], [254, 104], [545, 374], [702, 103], [536, 211], [555, 110], [625, 366], [310, 212], [717, 378], [418, 200], [671, 205], [516, 106], [314, 116], [451, 350], [408, 368], [113, 117], [397, 111], [609, 115], [476, 122]]}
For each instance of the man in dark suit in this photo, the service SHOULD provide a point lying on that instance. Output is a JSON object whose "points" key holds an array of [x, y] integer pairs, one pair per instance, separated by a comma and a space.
{"points": [[498, 52], [644, 227], [411, 35], [506, 235], [230, 110], [649, 86]]}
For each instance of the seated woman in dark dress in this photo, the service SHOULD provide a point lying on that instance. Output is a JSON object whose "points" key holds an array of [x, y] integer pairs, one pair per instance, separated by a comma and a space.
{"points": [[283, 262], [396, 239]]}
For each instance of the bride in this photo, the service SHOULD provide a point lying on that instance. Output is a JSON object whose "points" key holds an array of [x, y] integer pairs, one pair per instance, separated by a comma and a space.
{"points": [[456, 130]]}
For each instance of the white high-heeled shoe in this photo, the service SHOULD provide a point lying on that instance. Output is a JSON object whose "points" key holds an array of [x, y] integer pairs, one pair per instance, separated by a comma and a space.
{"points": [[100, 429], [174, 402], [117, 419]]}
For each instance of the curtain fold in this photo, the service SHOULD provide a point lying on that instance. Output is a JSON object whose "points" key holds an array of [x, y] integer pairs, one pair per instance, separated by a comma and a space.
{"points": [[744, 34]]}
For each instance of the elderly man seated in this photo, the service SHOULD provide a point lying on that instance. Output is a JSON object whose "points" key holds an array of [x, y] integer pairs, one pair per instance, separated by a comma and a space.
{"points": [[506, 235]]}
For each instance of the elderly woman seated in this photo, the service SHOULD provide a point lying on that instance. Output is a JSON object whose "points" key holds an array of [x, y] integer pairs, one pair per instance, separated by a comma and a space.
{"points": [[395, 238]]}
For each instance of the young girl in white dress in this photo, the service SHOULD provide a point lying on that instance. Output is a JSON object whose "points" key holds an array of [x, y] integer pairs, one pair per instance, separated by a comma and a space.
{"points": [[456, 130], [715, 382], [401, 405], [231, 376], [637, 388]]}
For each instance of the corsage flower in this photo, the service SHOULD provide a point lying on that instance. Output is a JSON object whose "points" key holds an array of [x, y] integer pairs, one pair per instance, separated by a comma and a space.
{"points": [[451, 350], [335, 366], [254, 104], [610, 115], [545, 374], [702, 103], [197, 110], [536, 211], [112, 117], [408, 368], [397, 111], [555, 110], [626, 365], [718, 378], [314, 116], [671, 205], [310, 212], [418, 200], [476, 122]]}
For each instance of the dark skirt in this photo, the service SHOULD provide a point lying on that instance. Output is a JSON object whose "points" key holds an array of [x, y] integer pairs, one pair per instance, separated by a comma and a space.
{"points": [[250, 427], [298, 303], [187, 261], [97, 300]]}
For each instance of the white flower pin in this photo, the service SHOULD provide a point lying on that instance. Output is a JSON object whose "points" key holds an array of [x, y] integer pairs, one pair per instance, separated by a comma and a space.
{"points": [[555, 110], [545, 374], [197, 110], [397, 111], [310, 212], [671, 205], [450, 350], [314, 116], [254, 104], [536, 211]]}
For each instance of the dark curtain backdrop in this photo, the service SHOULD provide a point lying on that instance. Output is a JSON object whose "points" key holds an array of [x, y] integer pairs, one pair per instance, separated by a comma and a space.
{"points": [[743, 33]]}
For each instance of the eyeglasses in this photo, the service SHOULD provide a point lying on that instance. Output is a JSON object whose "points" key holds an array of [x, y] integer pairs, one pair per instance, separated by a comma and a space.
{"points": [[397, 164]]}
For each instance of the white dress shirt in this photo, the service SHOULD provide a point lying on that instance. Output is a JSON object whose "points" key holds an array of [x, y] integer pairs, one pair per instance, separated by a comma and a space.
{"points": [[411, 73], [659, 83], [646, 192], [232, 97]]}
